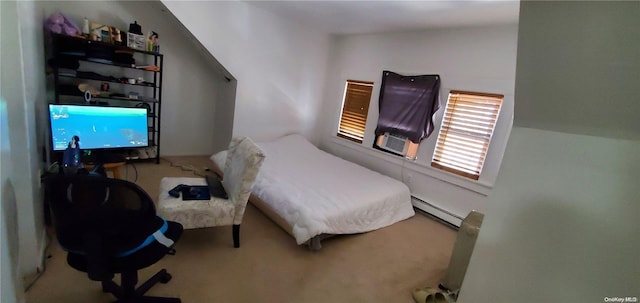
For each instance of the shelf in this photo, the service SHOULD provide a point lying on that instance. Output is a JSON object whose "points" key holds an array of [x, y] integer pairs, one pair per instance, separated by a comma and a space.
{"points": [[150, 85], [82, 40], [143, 99], [68, 51], [123, 65], [131, 66]]}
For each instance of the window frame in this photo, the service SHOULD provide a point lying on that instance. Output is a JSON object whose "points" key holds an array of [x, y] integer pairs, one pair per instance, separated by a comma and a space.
{"points": [[463, 124], [359, 124]]}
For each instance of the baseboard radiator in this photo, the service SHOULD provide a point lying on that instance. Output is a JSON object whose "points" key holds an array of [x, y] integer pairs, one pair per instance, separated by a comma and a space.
{"points": [[437, 212], [462, 250]]}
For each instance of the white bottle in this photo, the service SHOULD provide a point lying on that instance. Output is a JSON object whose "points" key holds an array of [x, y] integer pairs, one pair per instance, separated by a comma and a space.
{"points": [[85, 26]]}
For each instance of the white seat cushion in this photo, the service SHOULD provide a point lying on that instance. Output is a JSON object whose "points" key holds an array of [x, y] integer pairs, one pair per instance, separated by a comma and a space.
{"points": [[193, 213]]}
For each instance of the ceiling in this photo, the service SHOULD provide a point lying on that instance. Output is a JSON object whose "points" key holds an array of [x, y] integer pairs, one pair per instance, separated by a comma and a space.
{"points": [[360, 17]]}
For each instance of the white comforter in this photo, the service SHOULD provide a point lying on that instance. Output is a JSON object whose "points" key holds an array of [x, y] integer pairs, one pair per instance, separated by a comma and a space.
{"points": [[318, 193]]}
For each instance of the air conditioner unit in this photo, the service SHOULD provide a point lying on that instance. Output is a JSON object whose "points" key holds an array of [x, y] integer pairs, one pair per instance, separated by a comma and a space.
{"points": [[394, 143]]}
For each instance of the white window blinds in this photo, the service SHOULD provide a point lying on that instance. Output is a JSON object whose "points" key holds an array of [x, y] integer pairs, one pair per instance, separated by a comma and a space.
{"points": [[467, 127], [355, 108]]}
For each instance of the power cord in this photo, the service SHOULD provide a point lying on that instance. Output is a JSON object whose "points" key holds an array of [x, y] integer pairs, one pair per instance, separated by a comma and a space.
{"points": [[402, 173], [135, 169], [185, 167]]}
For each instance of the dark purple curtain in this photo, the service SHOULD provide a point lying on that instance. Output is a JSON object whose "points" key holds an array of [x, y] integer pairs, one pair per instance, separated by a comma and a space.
{"points": [[407, 104]]}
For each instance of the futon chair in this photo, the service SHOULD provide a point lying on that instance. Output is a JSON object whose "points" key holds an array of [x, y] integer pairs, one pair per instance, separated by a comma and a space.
{"points": [[109, 226], [240, 171]]}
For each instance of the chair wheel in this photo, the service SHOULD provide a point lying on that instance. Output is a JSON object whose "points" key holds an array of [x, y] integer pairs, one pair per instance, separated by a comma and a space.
{"points": [[165, 278]]}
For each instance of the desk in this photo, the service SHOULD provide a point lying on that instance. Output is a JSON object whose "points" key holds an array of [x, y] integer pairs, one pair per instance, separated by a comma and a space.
{"points": [[109, 167]]}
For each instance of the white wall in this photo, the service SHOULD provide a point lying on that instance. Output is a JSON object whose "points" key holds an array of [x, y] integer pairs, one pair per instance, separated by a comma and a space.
{"points": [[23, 89], [10, 280], [562, 224], [479, 59], [9, 243], [192, 82], [279, 65], [225, 108], [587, 61]]}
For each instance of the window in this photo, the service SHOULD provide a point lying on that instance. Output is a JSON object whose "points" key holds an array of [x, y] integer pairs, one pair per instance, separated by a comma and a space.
{"points": [[467, 126], [355, 107]]}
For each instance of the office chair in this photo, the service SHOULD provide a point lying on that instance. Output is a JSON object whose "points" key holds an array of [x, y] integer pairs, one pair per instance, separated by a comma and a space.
{"points": [[109, 226]]}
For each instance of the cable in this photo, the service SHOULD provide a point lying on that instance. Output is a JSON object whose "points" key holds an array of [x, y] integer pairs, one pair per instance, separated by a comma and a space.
{"points": [[184, 167], [402, 173], [135, 169]]}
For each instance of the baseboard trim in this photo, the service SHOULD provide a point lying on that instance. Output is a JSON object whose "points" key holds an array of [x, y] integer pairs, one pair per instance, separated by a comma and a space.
{"points": [[42, 256], [437, 213], [31, 278]]}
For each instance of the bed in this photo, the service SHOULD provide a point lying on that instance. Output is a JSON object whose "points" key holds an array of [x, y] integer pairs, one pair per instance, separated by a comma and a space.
{"points": [[312, 194]]}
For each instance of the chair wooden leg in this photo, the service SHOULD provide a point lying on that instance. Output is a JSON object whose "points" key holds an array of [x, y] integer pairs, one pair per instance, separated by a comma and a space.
{"points": [[236, 235]]}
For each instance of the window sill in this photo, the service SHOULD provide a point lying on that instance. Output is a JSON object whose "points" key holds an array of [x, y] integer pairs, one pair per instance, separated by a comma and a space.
{"points": [[479, 187]]}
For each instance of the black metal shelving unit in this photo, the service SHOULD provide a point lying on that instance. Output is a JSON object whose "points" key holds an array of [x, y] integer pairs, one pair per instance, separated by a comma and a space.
{"points": [[151, 87]]}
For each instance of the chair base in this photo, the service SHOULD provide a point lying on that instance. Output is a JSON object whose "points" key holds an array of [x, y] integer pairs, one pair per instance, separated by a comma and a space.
{"points": [[149, 299], [127, 293]]}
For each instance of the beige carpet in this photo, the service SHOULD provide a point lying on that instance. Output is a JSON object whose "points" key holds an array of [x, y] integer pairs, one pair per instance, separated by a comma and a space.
{"points": [[379, 266]]}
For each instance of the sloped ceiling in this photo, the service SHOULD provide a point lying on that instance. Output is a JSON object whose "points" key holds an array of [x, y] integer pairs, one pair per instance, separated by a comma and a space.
{"points": [[578, 68], [359, 17]]}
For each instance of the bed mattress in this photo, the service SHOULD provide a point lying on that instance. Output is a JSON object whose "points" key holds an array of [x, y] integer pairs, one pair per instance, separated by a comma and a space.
{"points": [[319, 193]]}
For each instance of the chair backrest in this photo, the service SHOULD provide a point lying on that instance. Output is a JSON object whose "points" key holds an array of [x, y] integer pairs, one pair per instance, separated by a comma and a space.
{"points": [[93, 214], [243, 162]]}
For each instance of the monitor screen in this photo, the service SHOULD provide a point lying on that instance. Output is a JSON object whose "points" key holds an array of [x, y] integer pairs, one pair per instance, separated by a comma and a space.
{"points": [[98, 127]]}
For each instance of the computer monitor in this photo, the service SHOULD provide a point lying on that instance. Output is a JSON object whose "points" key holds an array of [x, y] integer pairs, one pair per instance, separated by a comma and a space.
{"points": [[98, 127]]}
